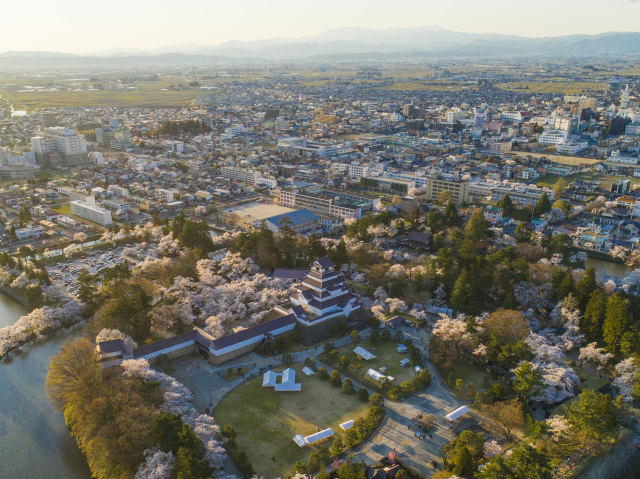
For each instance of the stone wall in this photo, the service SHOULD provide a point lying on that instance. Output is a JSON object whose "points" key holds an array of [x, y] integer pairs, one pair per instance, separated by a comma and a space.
{"points": [[318, 332]]}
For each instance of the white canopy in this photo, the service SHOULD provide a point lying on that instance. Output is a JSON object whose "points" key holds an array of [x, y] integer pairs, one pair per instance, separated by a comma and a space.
{"points": [[347, 425], [366, 355], [307, 370], [452, 416]]}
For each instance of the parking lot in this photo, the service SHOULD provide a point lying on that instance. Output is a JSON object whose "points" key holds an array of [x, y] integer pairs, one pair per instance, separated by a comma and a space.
{"points": [[66, 274]]}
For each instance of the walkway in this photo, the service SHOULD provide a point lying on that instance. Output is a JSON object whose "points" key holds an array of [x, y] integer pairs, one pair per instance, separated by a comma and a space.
{"points": [[209, 388]]}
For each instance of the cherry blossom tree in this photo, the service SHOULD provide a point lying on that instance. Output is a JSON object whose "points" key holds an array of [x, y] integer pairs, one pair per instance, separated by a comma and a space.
{"points": [[491, 448], [157, 465], [80, 237], [558, 425], [628, 371], [591, 352], [37, 323], [396, 304]]}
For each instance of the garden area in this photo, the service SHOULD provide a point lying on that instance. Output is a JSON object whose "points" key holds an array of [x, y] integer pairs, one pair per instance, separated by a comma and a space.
{"points": [[464, 379], [266, 421], [387, 356]]}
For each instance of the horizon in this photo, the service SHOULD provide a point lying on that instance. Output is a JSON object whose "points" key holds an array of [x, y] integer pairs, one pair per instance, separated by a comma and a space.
{"points": [[147, 25]]}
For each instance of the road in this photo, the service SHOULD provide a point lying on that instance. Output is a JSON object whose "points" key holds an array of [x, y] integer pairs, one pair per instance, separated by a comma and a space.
{"points": [[209, 388]]}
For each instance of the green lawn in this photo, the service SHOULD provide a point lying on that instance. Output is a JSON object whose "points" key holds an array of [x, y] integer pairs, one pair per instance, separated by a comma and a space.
{"points": [[64, 209], [468, 373], [265, 432], [386, 355], [589, 381]]}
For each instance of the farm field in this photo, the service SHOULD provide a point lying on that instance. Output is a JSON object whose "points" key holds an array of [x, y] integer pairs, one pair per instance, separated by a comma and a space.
{"points": [[266, 421], [417, 86], [564, 88]]}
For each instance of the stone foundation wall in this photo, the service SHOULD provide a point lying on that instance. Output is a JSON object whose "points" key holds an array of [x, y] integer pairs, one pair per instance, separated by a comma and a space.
{"points": [[314, 334]]}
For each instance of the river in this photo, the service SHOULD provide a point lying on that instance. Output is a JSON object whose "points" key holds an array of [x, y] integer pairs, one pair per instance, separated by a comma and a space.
{"points": [[34, 441]]}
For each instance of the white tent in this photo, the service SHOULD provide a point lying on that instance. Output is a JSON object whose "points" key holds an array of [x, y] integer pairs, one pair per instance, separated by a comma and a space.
{"points": [[269, 379], [366, 355], [308, 371], [347, 425], [452, 416], [300, 440], [319, 436], [405, 362], [287, 382]]}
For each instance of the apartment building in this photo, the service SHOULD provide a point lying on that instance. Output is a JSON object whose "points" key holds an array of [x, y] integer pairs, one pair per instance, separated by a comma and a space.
{"points": [[389, 185], [60, 141], [418, 180], [76, 195], [320, 202], [553, 137], [118, 190], [525, 195], [165, 195], [92, 213], [357, 171], [29, 232], [459, 189], [240, 174]]}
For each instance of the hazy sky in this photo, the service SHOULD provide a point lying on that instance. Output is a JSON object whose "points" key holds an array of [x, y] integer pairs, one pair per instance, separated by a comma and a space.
{"points": [[81, 26]]}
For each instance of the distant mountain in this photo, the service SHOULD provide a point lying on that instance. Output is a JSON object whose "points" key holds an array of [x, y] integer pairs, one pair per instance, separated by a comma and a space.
{"points": [[356, 43]]}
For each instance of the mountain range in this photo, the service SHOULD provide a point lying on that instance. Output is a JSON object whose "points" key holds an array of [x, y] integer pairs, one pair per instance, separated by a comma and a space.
{"points": [[356, 43]]}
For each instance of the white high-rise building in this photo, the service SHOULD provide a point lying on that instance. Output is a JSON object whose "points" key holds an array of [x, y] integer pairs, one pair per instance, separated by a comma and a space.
{"points": [[91, 212], [57, 139]]}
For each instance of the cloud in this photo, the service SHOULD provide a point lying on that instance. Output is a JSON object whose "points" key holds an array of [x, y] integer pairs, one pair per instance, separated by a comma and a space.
{"points": [[630, 1]]}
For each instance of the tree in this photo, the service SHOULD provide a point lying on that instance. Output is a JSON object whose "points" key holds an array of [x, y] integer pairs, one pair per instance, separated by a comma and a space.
{"points": [[463, 296], [463, 463], [451, 217], [562, 206], [322, 373], [594, 415], [335, 378], [355, 336], [542, 206], [195, 234], [507, 205], [528, 381], [363, 394], [344, 361], [129, 311], [524, 233], [376, 400], [508, 413], [314, 248], [340, 255], [476, 228], [87, 289], [445, 197], [347, 386], [33, 296], [585, 288], [337, 447], [617, 321], [287, 359], [594, 315], [402, 474], [24, 215]]}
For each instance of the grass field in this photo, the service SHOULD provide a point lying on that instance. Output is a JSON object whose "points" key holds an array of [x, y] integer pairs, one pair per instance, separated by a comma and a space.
{"points": [[386, 355], [468, 373], [565, 88], [265, 432], [564, 160], [605, 180]]}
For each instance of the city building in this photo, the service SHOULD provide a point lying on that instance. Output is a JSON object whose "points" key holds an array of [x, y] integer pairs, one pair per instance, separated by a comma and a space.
{"points": [[29, 232], [92, 213], [59, 145], [457, 188], [240, 174]]}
